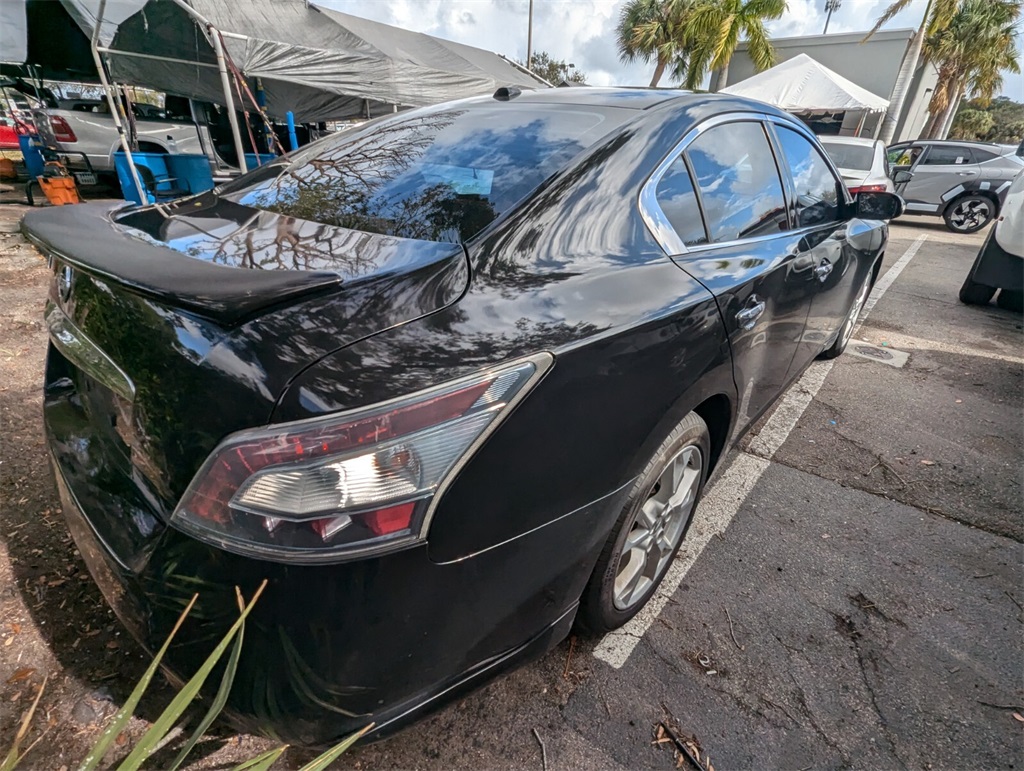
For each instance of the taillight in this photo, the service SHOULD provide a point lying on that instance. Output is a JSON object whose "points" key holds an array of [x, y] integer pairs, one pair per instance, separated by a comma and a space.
{"points": [[62, 131], [359, 482], [867, 189]]}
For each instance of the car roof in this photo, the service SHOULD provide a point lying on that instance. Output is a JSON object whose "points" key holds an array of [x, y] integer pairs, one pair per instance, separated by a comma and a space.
{"points": [[953, 143], [862, 141], [634, 98]]}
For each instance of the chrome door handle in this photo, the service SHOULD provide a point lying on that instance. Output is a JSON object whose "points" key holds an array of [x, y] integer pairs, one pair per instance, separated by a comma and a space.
{"points": [[748, 317], [822, 271], [967, 173]]}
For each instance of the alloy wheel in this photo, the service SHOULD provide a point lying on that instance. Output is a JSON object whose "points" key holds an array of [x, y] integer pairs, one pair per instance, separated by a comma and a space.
{"points": [[971, 214], [658, 527], [858, 305]]}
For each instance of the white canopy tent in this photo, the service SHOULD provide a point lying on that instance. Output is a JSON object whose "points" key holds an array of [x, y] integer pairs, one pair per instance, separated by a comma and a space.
{"points": [[803, 86]]}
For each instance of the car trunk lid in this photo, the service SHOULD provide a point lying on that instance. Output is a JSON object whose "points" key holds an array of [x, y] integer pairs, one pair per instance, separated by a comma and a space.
{"points": [[170, 332]]}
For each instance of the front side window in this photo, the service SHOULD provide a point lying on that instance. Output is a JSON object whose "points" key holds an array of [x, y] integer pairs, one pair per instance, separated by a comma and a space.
{"points": [[439, 175], [738, 181], [947, 156], [904, 155], [678, 201], [816, 188]]}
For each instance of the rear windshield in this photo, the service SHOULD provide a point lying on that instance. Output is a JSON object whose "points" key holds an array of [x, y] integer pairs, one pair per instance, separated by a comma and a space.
{"points": [[857, 157], [438, 176]]}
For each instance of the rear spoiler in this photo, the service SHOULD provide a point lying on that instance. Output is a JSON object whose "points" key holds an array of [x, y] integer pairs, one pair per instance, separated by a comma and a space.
{"points": [[85, 237]]}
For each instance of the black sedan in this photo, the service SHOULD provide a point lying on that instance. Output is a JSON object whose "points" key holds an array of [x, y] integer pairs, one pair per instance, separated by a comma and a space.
{"points": [[452, 382]]}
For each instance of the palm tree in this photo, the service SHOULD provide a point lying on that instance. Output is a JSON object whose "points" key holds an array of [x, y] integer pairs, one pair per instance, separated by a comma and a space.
{"points": [[655, 30], [718, 25], [937, 16], [971, 53]]}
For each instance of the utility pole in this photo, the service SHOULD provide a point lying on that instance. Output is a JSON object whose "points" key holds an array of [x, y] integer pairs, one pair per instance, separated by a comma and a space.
{"points": [[529, 40], [830, 6]]}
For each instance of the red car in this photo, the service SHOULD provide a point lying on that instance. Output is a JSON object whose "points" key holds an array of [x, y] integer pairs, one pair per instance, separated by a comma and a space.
{"points": [[8, 134]]}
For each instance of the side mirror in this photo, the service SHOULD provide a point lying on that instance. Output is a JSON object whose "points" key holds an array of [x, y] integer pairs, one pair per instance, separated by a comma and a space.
{"points": [[879, 206], [899, 177]]}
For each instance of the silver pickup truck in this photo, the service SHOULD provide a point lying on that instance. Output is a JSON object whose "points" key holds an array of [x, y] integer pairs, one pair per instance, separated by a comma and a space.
{"points": [[78, 126]]}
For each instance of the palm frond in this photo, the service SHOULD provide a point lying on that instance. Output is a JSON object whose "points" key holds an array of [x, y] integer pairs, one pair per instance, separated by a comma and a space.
{"points": [[894, 8], [759, 46]]}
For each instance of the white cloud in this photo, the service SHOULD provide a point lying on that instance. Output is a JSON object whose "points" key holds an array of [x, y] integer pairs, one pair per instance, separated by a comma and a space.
{"points": [[583, 31]]}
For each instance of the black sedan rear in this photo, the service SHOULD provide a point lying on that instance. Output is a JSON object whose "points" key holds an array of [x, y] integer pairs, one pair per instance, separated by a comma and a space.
{"points": [[452, 382]]}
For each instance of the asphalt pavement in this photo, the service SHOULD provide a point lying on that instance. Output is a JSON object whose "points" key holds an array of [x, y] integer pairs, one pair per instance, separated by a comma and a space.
{"points": [[853, 594]]}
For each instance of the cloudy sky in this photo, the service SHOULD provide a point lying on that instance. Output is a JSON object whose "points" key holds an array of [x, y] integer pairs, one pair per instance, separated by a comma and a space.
{"points": [[582, 31]]}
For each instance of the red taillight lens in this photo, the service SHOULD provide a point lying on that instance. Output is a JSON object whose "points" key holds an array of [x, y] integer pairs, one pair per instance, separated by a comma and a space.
{"points": [[325, 489], [867, 189], [62, 132]]}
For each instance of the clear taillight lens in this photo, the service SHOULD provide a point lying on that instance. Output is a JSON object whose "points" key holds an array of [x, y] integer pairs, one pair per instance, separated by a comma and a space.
{"points": [[350, 484]]}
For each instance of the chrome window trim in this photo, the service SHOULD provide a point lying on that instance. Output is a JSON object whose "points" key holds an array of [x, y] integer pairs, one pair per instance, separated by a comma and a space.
{"points": [[650, 211], [657, 223]]}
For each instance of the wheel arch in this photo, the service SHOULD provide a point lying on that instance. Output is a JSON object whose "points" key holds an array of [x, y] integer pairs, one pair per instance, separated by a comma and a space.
{"points": [[713, 399], [716, 411], [989, 194]]}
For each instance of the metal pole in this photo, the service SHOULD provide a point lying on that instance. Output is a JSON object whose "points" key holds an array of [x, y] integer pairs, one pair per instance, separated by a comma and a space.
{"points": [[113, 104], [830, 6], [529, 40], [229, 101], [860, 123]]}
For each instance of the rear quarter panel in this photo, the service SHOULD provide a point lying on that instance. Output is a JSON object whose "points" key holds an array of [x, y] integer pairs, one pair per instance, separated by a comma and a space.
{"points": [[638, 344]]}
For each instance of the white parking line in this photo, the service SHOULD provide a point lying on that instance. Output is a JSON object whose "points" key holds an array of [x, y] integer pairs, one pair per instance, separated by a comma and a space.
{"points": [[725, 497]]}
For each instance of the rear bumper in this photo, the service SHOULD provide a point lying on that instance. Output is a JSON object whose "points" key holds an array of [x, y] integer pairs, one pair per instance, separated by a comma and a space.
{"points": [[328, 649]]}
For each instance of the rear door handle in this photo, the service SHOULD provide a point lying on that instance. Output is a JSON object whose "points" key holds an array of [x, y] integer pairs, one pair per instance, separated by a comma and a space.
{"points": [[967, 173], [748, 317], [822, 271]]}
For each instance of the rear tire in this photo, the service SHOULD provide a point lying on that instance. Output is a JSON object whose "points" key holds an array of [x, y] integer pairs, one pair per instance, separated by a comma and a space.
{"points": [[1011, 300], [969, 214], [649, 530], [973, 293]]}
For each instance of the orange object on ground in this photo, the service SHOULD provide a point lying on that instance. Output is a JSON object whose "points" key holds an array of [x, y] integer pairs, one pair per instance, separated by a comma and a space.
{"points": [[60, 190], [7, 170]]}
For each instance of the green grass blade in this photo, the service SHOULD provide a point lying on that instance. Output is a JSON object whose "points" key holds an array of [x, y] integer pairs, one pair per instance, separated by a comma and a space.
{"points": [[322, 762], [185, 696], [13, 757], [218, 703], [262, 762], [120, 720]]}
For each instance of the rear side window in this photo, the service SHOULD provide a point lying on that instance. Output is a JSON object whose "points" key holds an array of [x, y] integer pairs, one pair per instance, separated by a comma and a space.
{"points": [[739, 183], [980, 156], [816, 187], [678, 201], [947, 156], [439, 175]]}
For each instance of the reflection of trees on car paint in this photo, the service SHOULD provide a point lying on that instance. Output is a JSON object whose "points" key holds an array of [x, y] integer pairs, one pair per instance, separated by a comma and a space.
{"points": [[433, 177]]}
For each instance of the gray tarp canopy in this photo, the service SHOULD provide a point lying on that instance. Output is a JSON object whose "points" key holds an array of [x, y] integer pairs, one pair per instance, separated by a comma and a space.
{"points": [[318, 63], [13, 33]]}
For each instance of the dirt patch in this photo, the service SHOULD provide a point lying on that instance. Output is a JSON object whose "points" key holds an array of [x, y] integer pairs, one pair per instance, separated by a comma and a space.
{"points": [[54, 623]]}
